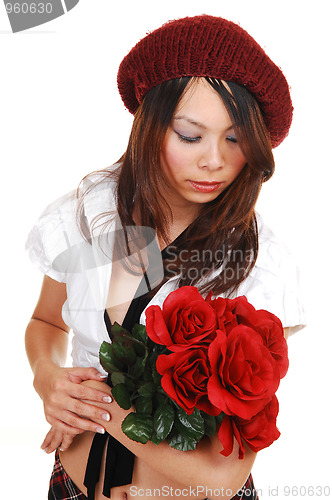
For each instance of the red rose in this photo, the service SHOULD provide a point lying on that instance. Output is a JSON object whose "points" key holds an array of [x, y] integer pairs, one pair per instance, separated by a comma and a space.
{"points": [[259, 432], [185, 319], [244, 374], [227, 432], [272, 332], [232, 312], [185, 375], [238, 311]]}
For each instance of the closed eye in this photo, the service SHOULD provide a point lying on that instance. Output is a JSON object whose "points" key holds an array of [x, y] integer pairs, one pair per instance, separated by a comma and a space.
{"points": [[231, 138], [186, 139]]}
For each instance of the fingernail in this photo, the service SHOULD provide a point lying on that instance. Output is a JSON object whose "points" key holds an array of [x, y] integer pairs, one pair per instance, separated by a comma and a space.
{"points": [[107, 399], [100, 430], [102, 376], [106, 416], [45, 450]]}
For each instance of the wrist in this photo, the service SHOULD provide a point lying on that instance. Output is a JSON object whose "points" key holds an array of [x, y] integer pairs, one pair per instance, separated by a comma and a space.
{"points": [[42, 371]]}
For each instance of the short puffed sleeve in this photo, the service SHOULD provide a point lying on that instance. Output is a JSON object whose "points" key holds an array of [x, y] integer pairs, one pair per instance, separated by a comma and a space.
{"points": [[274, 282], [53, 234]]}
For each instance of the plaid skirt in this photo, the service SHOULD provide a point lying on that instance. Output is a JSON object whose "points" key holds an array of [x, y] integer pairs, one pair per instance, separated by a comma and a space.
{"points": [[63, 488]]}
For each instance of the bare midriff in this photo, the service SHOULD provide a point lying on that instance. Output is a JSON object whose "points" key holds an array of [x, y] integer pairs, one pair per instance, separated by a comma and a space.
{"points": [[147, 483]]}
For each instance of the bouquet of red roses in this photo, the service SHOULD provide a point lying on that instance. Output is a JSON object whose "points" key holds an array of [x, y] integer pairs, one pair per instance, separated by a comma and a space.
{"points": [[199, 366]]}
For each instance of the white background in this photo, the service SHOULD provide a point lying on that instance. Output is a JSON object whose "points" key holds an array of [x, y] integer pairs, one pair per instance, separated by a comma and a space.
{"points": [[61, 117]]}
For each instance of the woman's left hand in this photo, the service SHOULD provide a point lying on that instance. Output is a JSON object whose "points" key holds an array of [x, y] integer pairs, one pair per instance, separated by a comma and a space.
{"points": [[58, 439]]}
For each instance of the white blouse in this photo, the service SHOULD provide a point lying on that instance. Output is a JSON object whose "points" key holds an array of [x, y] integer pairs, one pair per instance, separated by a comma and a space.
{"points": [[56, 245]]}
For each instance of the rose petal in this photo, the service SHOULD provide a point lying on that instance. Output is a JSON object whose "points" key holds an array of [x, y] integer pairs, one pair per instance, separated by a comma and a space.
{"points": [[155, 326], [185, 375], [225, 435], [244, 374], [261, 431]]}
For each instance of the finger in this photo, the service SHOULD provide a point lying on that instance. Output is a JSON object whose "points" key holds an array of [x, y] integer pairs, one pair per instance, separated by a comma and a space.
{"points": [[52, 441], [88, 410], [76, 416], [71, 420], [69, 398], [66, 442], [48, 439], [85, 374], [62, 428], [83, 392]]}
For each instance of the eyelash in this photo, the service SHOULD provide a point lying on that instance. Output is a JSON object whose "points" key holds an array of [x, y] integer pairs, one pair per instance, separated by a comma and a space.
{"points": [[191, 140], [188, 140]]}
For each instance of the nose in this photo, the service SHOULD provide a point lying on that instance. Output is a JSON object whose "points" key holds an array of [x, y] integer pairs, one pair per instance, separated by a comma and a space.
{"points": [[212, 158]]}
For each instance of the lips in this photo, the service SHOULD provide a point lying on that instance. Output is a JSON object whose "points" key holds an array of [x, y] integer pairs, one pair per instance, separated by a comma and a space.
{"points": [[205, 187]]}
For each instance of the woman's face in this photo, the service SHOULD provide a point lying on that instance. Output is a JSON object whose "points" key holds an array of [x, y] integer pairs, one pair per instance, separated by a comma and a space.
{"points": [[200, 156]]}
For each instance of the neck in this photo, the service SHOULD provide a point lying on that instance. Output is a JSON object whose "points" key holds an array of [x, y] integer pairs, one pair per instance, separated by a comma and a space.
{"points": [[180, 221], [182, 216]]}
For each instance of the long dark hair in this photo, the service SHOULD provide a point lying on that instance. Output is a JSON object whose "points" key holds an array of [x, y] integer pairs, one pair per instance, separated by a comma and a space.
{"points": [[225, 232]]}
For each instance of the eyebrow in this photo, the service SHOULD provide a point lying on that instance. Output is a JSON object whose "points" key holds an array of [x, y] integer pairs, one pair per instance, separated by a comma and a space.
{"points": [[190, 120], [198, 124]]}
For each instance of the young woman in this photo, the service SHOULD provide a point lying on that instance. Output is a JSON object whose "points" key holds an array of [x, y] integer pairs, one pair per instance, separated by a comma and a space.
{"points": [[177, 209]]}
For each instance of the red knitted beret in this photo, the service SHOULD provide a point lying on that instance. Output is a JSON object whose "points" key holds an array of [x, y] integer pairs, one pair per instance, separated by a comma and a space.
{"points": [[207, 46]]}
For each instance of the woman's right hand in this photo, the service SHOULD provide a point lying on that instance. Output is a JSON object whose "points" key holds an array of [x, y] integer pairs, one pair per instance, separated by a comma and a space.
{"points": [[63, 397]]}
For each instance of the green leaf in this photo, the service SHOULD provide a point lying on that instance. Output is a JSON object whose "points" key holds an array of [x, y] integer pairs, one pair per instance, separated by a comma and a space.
{"points": [[161, 398], [140, 348], [138, 427], [190, 426], [143, 405], [155, 375], [163, 420], [138, 368], [210, 425], [118, 378], [147, 375], [220, 418], [121, 396], [123, 349], [150, 344], [107, 360], [180, 442], [147, 390], [130, 384], [152, 360], [139, 333], [116, 328], [155, 439]]}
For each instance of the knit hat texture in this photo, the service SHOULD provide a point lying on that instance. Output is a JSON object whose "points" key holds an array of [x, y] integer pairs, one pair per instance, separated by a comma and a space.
{"points": [[207, 46]]}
